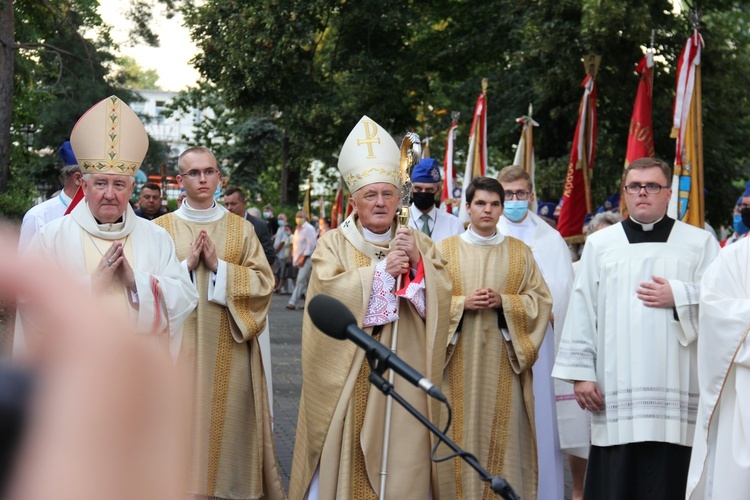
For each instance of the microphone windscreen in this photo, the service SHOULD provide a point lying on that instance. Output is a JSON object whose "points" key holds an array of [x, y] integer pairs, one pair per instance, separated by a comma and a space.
{"points": [[330, 316]]}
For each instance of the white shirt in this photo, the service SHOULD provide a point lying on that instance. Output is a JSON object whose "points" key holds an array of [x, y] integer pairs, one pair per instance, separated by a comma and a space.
{"points": [[39, 215], [442, 224], [305, 240]]}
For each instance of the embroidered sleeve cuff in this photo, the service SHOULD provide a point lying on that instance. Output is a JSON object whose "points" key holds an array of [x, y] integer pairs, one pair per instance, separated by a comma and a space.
{"points": [[383, 306]]}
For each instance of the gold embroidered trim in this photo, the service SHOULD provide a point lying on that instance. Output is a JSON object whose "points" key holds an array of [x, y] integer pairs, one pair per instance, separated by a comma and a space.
{"points": [[457, 400], [167, 223], [504, 394], [219, 400], [501, 420], [361, 260], [361, 487], [456, 377], [353, 179], [235, 233], [517, 260], [241, 296], [450, 252]]}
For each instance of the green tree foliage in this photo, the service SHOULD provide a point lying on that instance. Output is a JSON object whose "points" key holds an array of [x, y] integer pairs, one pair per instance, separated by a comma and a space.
{"points": [[59, 73], [312, 68], [133, 76]]}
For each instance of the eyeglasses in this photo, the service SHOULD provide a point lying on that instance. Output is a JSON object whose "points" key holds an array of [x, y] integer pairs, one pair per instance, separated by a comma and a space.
{"points": [[520, 195], [196, 174], [650, 188]]}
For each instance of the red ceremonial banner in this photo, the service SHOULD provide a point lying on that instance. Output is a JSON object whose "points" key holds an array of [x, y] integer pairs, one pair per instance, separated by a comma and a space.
{"points": [[577, 191], [641, 135]]}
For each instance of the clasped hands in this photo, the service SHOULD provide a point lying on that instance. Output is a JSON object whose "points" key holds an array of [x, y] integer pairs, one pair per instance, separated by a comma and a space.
{"points": [[113, 266], [483, 298], [202, 248]]}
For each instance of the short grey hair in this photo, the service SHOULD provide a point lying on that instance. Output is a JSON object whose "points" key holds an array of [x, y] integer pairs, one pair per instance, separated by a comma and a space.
{"points": [[602, 220]]}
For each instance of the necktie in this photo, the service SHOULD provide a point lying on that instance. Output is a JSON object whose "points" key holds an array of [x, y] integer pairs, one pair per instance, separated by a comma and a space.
{"points": [[425, 226]]}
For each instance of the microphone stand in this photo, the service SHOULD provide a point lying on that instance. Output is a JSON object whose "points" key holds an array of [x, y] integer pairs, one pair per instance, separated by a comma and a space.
{"points": [[497, 483]]}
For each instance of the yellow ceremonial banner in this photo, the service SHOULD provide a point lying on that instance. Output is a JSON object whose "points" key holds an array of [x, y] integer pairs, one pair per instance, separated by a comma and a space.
{"points": [[691, 203], [687, 203]]}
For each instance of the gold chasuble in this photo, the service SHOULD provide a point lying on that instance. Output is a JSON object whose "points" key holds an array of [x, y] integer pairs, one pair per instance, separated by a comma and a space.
{"points": [[488, 378], [341, 417], [233, 455]]}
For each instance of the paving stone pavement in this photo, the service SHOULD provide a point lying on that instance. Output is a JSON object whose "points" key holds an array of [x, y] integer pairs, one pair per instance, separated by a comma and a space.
{"points": [[286, 342], [286, 363]]}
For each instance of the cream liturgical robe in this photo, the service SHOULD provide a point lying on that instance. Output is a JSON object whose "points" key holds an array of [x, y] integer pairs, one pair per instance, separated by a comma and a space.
{"points": [[553, 413], [643, 358], [165, 297], [340, 426], [720, 462], [233, 453], [488, 378]]}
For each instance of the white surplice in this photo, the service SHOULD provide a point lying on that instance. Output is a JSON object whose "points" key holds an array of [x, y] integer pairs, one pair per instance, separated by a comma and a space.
{"points": [[720, 462], [553, 258], [66, 239], [41, 214], [643, 359]]}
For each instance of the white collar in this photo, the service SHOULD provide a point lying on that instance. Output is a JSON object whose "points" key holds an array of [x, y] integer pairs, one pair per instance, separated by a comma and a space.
{"points": [[470, 236], [211, 214], [375, 237], [646, 227], [115, 231]]}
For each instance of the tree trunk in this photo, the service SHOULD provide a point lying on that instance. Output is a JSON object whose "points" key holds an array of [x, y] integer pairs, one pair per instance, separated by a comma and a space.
{"points": [[284, 182], [7, 42]]}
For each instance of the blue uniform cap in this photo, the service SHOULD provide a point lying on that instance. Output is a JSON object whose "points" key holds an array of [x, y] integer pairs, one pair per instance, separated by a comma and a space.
{"points": [[427, 170], [546, 209], [66, 153]]}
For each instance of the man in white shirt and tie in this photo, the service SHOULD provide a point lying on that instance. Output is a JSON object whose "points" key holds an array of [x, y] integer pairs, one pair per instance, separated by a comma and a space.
{"points": [[423, 213]]}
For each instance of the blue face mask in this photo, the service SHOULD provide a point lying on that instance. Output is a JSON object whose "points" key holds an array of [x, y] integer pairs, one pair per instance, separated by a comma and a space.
{"points": [[515, 210], [281, 222], [739, 226]]}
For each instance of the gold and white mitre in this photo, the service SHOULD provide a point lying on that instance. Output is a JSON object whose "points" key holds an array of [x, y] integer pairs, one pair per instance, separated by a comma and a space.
{"points": [[369, 155], [109, 139]]}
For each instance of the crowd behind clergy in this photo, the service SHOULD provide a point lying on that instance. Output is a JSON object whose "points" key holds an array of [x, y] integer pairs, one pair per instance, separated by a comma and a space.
{"points": [[629, 366]]}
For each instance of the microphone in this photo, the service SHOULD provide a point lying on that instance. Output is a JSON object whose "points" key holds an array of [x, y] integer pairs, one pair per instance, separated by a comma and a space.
{"points": [[334, 319]]}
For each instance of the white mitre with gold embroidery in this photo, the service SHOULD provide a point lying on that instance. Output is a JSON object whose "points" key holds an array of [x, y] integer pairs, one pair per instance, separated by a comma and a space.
{"points": [[369, 155], [109, 139]]}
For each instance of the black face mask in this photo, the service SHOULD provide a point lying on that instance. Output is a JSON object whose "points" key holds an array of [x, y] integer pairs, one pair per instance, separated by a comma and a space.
{"points": [[423, 201], [745, 214]]}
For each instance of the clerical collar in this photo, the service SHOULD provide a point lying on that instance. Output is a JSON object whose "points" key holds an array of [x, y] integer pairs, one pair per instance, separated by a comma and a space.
{"points": [[470, 236], [375, 237], [210, 214], [110, 226], [655, 232]]}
